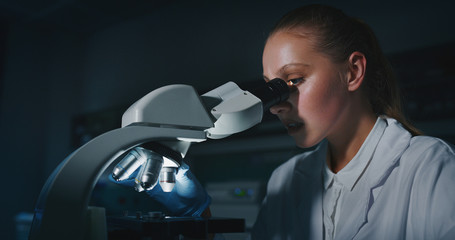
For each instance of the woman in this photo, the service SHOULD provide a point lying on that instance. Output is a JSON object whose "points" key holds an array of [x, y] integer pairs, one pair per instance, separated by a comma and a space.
{"points": [[372, 176]]}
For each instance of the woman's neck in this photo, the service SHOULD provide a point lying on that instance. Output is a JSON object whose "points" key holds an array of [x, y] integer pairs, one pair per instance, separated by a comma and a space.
{"points": [[345, 144]]}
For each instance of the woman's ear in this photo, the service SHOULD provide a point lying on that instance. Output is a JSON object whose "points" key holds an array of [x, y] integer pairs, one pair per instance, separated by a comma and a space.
{"points": [[356, 70]]}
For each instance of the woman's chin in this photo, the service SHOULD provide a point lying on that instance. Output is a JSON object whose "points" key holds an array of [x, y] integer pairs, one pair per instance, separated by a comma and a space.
{"points": [[304, 142]]}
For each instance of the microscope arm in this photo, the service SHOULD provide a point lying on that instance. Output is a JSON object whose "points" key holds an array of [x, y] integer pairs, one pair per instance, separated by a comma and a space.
{"points": [[61, 211]]}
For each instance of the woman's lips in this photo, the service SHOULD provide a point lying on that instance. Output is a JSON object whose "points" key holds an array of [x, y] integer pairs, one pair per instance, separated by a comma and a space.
{"points": [[293, 127]]}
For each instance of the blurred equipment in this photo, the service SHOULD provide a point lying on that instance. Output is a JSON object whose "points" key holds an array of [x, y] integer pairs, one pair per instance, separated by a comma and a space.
{"points": [[165, 123], [239, 199], [23, 222]]}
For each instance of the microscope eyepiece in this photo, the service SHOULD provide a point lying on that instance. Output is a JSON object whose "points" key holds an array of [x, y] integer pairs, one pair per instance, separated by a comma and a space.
{"points": [[272, 92]]}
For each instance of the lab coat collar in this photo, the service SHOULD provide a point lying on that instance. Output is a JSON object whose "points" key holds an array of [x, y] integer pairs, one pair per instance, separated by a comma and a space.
{"points": [[395, 137], [352, 172], [354, 214]]}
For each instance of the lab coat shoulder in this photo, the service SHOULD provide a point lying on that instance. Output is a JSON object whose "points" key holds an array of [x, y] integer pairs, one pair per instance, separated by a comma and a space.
{"points": [[430, 150], [286, 211], [431, 207], [427, 157], [407, 190], [304, 164]]}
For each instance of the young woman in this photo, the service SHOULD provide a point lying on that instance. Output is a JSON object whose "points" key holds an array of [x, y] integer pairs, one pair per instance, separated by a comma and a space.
{"points": [[372, 176]]}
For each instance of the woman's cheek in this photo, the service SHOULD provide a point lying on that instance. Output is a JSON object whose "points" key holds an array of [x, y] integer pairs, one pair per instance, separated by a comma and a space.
{"points": [[307, 100]]}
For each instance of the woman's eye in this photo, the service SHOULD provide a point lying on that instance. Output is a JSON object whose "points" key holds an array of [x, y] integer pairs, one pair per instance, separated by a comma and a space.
{"points": [[295, 81]]}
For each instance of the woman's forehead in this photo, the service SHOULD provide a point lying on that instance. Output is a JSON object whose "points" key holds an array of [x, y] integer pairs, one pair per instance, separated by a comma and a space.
{"points": [[285, 47]]}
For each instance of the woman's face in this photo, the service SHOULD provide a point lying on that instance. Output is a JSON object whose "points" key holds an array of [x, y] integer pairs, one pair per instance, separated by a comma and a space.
{"points": [[315, 109]]}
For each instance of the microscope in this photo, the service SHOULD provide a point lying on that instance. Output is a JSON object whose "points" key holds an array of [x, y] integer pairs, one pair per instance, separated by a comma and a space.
{"points": [[165, 123]]}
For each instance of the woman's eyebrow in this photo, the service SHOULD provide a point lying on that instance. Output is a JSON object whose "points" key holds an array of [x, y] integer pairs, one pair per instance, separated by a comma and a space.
{"points": [[283, 68]]}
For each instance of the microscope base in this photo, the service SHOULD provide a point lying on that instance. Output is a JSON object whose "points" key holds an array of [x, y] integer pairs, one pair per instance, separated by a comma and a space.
{"points": [[171, 228]]}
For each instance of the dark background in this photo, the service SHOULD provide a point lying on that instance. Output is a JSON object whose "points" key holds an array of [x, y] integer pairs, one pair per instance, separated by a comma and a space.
{"points": [[68, 69]]}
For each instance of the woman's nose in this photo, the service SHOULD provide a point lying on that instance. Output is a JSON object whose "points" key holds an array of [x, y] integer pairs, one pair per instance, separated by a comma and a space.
{"points": [[280, 108]]}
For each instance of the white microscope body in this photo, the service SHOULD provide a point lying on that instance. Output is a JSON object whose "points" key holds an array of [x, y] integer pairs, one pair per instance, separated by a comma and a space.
{"points": [[174, 117]]}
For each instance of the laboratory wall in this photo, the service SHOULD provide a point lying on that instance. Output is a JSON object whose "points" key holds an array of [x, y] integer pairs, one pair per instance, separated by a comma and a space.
{"points": [[39, 97], [59, 83]]}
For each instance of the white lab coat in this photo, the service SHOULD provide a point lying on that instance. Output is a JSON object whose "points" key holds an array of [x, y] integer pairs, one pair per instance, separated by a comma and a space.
{"points": [[407, 192]]}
